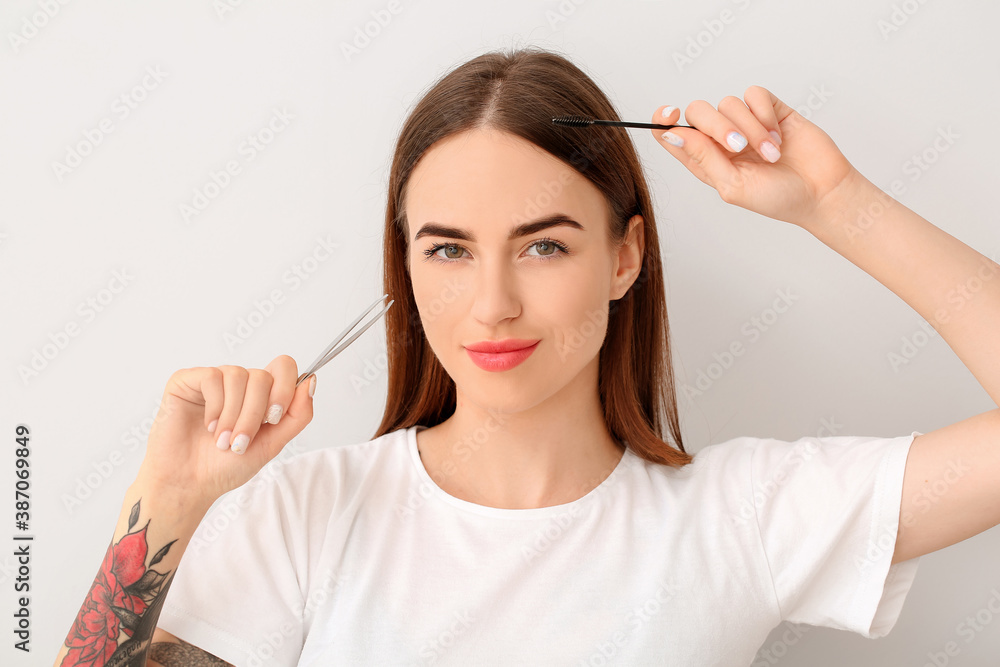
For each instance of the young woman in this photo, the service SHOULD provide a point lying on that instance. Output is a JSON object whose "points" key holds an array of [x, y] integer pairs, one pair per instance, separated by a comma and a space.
{"points": [[527, 498]]}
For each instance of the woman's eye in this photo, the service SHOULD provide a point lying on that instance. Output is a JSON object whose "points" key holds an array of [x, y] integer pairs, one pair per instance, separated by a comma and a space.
{"points": [[450, 251], [546, 248]]}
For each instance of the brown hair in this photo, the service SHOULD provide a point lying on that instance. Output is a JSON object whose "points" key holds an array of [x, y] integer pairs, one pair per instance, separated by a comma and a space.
{"points": [[519, 92]]}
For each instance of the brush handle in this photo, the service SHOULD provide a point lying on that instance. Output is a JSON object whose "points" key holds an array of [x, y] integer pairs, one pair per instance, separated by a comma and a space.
{"points": [[625, 123]]}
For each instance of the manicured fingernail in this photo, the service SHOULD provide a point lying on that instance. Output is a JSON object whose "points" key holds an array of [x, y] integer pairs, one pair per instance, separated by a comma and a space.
{"points": [[211, 427], [736, 141], [667, 111], [770, 151], [775, 136], [312, 386], [223, 441], [273, 414], [240, 443], [673, 139]]}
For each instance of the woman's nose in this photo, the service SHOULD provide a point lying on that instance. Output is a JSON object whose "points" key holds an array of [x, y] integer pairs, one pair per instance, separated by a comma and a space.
{"points": [[495, 293]]}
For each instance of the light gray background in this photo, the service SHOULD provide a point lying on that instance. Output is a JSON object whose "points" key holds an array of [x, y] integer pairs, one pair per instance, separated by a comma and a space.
{"points": [[883, 97]]}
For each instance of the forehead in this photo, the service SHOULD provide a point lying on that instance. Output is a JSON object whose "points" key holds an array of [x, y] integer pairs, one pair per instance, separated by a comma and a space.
{"points": [[486, 177]]}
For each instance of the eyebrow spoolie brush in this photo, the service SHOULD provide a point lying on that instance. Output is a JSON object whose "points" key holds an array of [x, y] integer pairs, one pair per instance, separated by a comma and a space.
{"points": [[587, 121]]}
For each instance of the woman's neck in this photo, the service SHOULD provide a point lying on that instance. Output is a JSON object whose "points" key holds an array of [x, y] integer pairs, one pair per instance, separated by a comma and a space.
{"points": [[551, 454]]}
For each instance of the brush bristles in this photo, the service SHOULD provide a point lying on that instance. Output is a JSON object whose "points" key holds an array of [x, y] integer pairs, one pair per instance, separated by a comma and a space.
{"points": [[573, 121]]}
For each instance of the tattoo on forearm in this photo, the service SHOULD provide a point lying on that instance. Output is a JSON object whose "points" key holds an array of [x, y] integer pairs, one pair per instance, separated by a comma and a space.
{"points": [[124, 602], [171, 654]]}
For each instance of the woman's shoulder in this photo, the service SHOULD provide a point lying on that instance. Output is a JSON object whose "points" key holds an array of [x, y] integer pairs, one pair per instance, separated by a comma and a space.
{"points": [[764, 453], [299, 480], [352, 455], [707, 459]]}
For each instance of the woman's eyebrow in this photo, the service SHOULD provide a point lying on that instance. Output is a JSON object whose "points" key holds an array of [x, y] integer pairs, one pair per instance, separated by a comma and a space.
{"points": [[554, 220]]}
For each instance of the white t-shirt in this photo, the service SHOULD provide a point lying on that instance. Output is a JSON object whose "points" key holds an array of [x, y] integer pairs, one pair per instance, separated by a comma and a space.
{"points": [[353, 555]]}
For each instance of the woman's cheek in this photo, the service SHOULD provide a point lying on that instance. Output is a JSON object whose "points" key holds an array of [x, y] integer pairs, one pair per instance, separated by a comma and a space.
{"points": [[436, 311], [568, 314]]}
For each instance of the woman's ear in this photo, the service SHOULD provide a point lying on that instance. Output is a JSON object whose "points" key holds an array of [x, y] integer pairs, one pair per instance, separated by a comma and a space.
{"points": [[628, 264]]}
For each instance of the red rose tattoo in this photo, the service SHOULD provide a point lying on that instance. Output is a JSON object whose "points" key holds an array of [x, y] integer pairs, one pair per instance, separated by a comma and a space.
{"points": [[123, 590]]}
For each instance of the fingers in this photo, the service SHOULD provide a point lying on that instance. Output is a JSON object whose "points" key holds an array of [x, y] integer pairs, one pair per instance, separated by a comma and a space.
{"points": [[251, 417], [764, 106], [723, 124], [698, 152], [751, 130], [238, 402], [735, 125], [235, 381], [297, 416], [675, 139], [285, 372]]}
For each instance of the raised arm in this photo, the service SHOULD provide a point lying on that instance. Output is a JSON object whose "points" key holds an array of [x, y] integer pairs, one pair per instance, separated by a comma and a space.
{"points": [[209, 437], [951, 487]]}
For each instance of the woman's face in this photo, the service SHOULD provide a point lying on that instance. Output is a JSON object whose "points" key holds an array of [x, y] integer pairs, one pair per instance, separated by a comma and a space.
{"points": [[474, 283]]}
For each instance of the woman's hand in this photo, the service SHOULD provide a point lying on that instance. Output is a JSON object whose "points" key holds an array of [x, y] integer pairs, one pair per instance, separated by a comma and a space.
{"points": [[796, 188], [184, 457]]}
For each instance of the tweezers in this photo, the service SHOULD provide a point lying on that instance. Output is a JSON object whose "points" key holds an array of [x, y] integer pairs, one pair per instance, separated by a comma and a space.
{"points": [[329, 353]]}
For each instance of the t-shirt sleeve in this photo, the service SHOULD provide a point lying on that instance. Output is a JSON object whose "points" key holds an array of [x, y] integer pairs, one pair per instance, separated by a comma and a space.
{"points": [[828, 513], [235, 591]]}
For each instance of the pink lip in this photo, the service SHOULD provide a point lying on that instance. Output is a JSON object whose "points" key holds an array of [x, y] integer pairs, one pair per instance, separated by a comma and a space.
{"points": [[500, 355], [497, 346]]}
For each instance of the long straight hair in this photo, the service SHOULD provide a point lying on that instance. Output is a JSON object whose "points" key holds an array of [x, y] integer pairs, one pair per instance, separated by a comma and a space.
{"points": [[519, 92]]}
